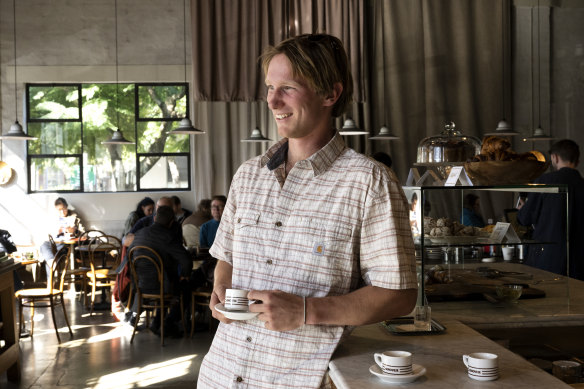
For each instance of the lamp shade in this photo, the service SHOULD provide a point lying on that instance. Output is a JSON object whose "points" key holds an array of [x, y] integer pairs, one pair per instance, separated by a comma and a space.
{"points": [[539, 135], [117, 139], [350, 128], [186, 127], [384, 134], [503, 129], [17, 133], [256, 136]]}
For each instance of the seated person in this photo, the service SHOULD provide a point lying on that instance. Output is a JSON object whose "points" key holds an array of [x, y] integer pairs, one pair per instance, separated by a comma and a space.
{"points": [[180, 213], [67, 225], [209, 229], [191, 226], [144, 208], [471, 211], [149, 220], [177, 261]]}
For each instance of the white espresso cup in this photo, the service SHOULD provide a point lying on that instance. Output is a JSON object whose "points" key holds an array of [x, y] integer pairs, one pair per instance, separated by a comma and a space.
{"points": [[236, 300], [394, 362], [482, 366]]}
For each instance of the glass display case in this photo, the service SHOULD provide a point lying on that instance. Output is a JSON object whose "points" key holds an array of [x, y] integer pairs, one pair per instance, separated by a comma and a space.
{"points": [[463, 263]]}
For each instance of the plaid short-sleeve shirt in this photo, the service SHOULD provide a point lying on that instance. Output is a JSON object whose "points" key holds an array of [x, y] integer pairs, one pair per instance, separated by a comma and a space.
{"points": [[338, 221]]}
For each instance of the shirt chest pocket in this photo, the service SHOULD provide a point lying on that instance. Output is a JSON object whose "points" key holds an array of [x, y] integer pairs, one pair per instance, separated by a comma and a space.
{"points": [[327, 259]]}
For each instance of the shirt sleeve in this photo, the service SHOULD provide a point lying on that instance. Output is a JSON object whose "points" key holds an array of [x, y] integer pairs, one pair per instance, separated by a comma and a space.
{"points": [[387, 254], [222, 248]]}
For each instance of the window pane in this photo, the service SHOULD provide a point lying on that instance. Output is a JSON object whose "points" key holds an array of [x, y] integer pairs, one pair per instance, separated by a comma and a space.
{"points": [[162, 101], [113, 170], [55, 138], [154, 137], [55, 174], [163, 172], [54, 102]]}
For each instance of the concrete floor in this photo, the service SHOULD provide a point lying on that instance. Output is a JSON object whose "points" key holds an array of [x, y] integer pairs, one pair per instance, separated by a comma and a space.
{"points": [[100, 354]]}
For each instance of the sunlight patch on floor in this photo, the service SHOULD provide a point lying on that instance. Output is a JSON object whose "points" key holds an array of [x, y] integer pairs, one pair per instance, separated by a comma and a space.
{"points": [[147, 375]]}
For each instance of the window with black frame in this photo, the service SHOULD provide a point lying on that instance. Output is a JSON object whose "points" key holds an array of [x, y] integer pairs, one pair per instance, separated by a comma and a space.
{"points": [[72, 120]]}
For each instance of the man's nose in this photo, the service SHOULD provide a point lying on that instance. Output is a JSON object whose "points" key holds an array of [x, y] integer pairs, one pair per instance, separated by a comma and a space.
{"points": [[274, 100]]}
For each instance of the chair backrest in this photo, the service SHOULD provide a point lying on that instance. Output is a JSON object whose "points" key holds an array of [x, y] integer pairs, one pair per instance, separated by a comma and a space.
{"points": [[56, 278], [53, 244], [105, 246], [148, 258], [90, 234]]}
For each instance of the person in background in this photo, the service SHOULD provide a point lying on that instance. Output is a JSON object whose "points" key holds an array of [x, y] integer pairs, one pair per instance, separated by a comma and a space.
{"points": [[180, 213], [209, 229], [546, 212], [149, 220], [177, 263], [471, 211], [67, 225], [318, 233], [144, 208], [191, 226]]}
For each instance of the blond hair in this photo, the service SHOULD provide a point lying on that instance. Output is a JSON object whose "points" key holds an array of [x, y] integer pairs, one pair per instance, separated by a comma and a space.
{"points": [[319, 59]]}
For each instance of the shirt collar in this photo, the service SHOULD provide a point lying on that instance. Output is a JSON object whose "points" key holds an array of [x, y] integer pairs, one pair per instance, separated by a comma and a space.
{"points": [[320, 161]]}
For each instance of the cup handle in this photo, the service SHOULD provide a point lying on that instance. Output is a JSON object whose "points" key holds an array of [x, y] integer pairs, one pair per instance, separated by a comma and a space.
{"points": [[377, 357], [465, 360]]}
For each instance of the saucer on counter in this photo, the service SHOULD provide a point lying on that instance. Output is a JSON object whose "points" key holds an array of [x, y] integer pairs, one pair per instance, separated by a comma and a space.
{"points": [[235, 315], [417, 372]]}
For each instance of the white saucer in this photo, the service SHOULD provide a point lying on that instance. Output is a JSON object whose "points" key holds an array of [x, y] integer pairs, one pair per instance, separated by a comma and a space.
{"points": [[235, 315], [417, 372]]}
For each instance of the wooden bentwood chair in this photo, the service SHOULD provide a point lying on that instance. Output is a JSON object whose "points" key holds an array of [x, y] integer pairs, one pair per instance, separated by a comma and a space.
{"points": [[106, 249], [47, 297], [145, 256]]}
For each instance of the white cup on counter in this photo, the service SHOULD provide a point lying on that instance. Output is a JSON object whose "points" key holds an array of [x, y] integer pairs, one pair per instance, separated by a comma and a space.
{"points": [[394, 362], [482, 366], [508, 253]]}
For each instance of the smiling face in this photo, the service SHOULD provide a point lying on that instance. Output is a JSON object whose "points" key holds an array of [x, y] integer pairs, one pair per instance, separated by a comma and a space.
{"points": [[299, 112]]}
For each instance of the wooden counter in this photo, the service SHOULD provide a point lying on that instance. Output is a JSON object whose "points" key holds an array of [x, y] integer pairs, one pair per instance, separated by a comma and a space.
{"points": [[441, 355], [9, 354]]}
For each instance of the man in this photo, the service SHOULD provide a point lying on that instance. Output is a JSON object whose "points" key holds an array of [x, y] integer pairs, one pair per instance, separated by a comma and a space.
{"points": [[149, 220], [317, 232], [547, 213], [67, 224], [180, 213], [177, 262], [209, 229], [191, 226]]}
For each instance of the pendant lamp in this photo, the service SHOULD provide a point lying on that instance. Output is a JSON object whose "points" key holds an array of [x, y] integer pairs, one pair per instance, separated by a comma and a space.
{"points": [[186, 126], [117, 137], [350, 128], [503, 127], [538, 134], [16, 131], [256, 134], [384, 132]]}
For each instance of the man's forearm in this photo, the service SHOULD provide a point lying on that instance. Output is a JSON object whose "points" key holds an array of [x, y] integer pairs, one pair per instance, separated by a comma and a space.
{"points": [[366, 305], [223, 272]]}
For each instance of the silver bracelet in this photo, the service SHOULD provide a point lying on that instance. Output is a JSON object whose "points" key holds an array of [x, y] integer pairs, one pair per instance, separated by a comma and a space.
{"points": [[304, 304]]}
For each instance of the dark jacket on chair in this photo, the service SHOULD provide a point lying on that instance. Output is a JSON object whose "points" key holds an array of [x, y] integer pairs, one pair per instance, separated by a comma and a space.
{"points": [[176, 259]]}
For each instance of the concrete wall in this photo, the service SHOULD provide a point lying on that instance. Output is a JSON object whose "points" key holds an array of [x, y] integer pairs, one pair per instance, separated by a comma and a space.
{"points": [[74, 41]]}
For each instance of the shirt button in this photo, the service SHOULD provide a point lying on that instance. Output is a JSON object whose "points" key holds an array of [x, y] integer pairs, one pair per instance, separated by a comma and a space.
{"points": [[278, 224], [239, 220], [239, 379], [269, 261], [248, 338]]}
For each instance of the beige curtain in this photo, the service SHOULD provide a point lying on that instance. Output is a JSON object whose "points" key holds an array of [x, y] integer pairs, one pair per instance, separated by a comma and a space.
{"points": [[416, 64]]}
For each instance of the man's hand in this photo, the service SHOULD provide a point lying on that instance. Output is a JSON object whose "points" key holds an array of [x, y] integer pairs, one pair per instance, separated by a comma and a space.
{"points": [[218, 296], [279, 310]]}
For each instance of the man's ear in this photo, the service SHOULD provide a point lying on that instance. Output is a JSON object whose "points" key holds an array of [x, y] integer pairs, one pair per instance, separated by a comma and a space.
{"points": [[334, 95]]}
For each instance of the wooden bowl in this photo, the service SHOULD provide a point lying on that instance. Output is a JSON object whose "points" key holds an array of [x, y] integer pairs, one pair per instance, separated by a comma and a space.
{"points": [[504, 172]]}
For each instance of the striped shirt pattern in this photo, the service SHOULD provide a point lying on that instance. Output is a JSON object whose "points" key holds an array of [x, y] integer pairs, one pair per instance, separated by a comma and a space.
{"points": [[338, 221]]}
